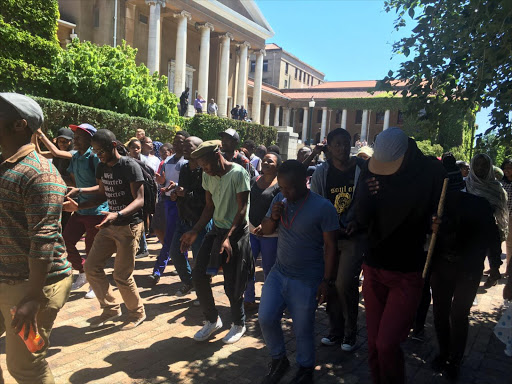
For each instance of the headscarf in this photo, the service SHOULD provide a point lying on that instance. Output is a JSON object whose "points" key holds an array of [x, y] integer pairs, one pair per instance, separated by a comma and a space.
{"points": [[490, 189], [156, 149]]}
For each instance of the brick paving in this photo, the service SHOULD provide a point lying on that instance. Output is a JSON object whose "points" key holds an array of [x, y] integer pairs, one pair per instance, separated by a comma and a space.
{"points": [[162, 350]]}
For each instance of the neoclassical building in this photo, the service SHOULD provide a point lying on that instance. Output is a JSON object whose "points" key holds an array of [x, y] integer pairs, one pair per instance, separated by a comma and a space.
{"points": [[202, 45]]}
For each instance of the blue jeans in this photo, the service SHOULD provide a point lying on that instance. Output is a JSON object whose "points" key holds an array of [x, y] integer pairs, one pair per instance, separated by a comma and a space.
{"points": [[180, 259], [143, 245], [268, 248], [280, 292], [171, 216]]}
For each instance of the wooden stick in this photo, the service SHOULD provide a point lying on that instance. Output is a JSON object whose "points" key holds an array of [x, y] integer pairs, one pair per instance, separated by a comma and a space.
{"points": [[440, 210]]}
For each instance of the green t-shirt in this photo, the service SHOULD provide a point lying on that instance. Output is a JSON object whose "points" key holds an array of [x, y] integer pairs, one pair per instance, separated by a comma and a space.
{"points": [[224, 190]]}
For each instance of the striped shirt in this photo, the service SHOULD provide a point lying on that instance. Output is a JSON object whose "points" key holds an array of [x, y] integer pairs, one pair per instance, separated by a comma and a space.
{"points": [[31, 196]]}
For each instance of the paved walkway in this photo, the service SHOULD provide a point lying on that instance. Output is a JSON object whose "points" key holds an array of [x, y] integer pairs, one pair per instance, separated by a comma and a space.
{"points": [[162, 350]]}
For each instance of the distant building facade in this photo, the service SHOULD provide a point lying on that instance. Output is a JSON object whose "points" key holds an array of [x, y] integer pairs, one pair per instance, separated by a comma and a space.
{"points": [[202, 45]]}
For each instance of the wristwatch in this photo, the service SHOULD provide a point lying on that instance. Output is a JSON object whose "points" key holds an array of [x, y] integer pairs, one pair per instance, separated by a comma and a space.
{"points": [[330, 282], [119, 215]]}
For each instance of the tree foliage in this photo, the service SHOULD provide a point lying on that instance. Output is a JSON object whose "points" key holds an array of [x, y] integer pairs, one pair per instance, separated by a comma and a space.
{"points": [[109, 78], [429, 149], [459, 50], [490, 145], [29, 45]]}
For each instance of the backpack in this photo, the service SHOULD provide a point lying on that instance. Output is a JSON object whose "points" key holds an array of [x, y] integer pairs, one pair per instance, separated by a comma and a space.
{"points": [[150, 188]]}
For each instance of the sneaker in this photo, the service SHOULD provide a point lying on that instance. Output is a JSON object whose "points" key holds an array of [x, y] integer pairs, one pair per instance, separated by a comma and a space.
{"points": [[304, 376], [418, 335], [349, 343], [234, 334], [278, 368], [184, 290], [154, 279], [142, 254], [90, 294], [207, 330], [133, 322], [80, 281], [104, 318], [331, 340]]}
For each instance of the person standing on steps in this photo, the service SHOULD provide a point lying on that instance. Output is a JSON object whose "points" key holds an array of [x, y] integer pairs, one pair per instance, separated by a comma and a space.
{"points": [[184, 100], [227, 245]]}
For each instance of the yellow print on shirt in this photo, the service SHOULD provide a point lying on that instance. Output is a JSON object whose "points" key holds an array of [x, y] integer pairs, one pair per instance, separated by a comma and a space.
{"points": [[343, 198]]}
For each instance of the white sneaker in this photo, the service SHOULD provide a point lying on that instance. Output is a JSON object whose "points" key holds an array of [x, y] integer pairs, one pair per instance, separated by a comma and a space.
{"points": [[80, 281], [234, 334], [207, 330], [90, 294]]}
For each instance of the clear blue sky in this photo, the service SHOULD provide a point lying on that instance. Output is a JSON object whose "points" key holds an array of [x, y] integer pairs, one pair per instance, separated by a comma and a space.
{"points": [[345, 39]]}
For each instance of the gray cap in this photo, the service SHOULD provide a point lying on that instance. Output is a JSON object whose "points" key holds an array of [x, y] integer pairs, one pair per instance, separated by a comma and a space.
{"points": [[27, 108], [388, 151]]}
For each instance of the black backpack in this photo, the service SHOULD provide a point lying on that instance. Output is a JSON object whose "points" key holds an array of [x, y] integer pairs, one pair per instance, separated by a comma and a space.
{"points": [[150, 188]]}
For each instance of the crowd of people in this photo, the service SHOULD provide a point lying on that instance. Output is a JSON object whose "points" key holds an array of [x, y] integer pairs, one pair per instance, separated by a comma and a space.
{"points": [[321, 224]]}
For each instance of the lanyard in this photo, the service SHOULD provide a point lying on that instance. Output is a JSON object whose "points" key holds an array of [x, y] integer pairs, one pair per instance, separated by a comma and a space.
{"points": [[288, 224]]}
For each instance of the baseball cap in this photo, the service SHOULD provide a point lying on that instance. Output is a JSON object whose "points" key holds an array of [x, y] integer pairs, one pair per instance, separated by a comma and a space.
{"points": [[26, 107], [388, 151], [65, 133], [230, 132], [205, 148], [84, 127]]}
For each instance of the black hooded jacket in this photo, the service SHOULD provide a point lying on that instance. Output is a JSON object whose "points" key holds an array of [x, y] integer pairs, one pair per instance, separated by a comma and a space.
{"points": [[399, 216]]}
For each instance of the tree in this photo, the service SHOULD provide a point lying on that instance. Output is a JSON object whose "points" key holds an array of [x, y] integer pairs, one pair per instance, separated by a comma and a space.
{"points": [[490, 144], [108, 77], [28, 37], [460, 50]]}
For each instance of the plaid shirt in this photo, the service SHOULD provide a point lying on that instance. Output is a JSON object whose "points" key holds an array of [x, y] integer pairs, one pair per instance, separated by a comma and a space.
{"points": [[507, 186], [31, 196]]}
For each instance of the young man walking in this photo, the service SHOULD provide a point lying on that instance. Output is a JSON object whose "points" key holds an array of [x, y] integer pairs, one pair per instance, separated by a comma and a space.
{"points": [[169, 179], [304, 269], [121, 181], [336, 180], [190, 199], [397, 195], [227, 244], [87, 213], [35, 276]]}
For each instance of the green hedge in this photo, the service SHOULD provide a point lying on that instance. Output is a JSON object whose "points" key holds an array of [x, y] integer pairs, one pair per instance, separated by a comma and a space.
{"points": [[59, 114], [207, 127]]}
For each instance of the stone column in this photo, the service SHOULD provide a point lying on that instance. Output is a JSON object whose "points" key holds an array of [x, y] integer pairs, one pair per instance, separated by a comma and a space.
{"points": [[180, 71], [364, 126], [242, 73], [222, 93], [386, 120], [154, 34], [305, 125], [204, 59], [323, 127], [266, 119], [256, 93], [286, 117], [276, 116], [344, 119]]}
